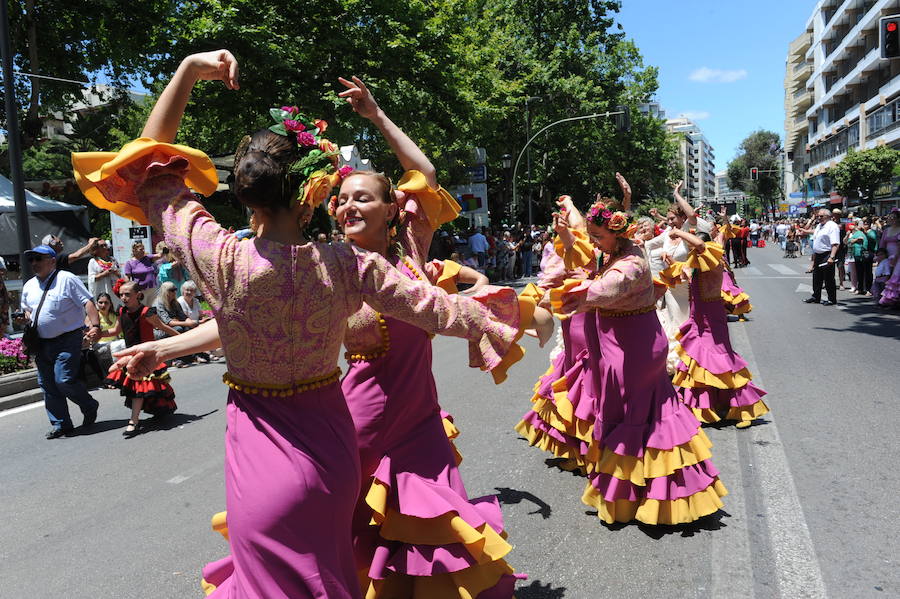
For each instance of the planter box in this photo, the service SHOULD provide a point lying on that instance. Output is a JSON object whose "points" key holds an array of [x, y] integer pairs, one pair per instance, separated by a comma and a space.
{"points": [[17, 382]]}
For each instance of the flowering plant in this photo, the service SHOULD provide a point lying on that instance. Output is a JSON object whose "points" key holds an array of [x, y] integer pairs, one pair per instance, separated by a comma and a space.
{"points": [[317, 166], [600, 214], [12, 355]]}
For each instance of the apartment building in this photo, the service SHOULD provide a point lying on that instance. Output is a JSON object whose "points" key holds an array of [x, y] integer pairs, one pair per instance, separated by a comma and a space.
{"points": [[854, 95], [697, 160]]}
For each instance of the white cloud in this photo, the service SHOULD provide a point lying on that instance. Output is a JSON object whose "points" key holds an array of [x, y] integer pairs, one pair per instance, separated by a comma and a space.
{"points": [[695, 115], [708, 75]]}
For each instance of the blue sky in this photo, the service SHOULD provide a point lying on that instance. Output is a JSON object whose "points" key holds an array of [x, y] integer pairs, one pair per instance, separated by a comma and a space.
{"points": [[720, 61]]}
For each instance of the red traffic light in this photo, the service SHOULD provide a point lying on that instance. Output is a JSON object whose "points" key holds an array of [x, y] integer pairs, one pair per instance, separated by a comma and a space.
{"points": [[891, 26]]}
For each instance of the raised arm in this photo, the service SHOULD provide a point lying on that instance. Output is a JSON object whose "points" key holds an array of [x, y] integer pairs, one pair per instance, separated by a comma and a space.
{"points": [[164, 119], [408, 153], [83, 251], [685, 206], [626, 192], [695, 243]]}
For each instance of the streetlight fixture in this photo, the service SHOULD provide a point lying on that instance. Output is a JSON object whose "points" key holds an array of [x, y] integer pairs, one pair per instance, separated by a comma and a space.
{"points": [[506, 161], [623, 124]]}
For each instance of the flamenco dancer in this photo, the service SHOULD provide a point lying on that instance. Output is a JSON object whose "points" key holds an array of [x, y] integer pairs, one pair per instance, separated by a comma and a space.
{"points": [[890, 240], [410, 479], [712, 378], [650, 460], [736, 300], [292, 465], [552, 423], [151, 393], [673, 308], [291, 453]]}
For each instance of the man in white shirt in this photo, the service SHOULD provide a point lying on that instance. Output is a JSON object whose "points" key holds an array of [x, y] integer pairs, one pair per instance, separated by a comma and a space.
{"points": [[59, 327], [826, 239], [781, 230]]}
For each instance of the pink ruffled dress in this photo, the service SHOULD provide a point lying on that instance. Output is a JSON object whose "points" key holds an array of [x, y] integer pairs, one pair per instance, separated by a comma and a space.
{"points": [[891, 293], [416, 531], [292, 466], [712, 378], [648, 459]]}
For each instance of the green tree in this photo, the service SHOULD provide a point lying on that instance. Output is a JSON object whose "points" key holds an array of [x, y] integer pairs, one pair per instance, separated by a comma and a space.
{"points": [[759, 150], [859, 173]]}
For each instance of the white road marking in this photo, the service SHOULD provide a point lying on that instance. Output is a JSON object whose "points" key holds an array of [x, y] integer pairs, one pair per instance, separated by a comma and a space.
{"points": [[803, 288], [25, 408], [750, 270], [796, 564], [785, 270], [177, 480]]}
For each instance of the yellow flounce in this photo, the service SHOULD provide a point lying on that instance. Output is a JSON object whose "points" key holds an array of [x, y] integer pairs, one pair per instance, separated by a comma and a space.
{"points": [[447, 279], [655, 462], [92, 168], [557, 293], [706, 260], [439, 206], [579, 255], [671, 275], [528, 301], [751, 412], [465, 584], [697, 376], [655, 511]]}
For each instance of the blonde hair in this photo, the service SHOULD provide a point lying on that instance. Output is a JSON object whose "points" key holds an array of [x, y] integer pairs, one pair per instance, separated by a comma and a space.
{"points": [[162, 297]]}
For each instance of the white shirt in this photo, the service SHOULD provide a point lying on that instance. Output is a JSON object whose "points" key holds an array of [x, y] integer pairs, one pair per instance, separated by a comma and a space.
{"points": [[63, 310], [825, 236], [192, 313], [754, 227], [781, 229], [104, 284]]}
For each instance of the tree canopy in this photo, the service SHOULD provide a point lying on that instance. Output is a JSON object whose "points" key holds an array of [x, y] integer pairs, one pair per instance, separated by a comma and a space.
{"points": [[860, 172], [760, 150], [454, 74]]}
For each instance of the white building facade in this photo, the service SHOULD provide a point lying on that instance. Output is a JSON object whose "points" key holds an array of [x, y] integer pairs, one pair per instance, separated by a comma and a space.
{"points": [[697, 161], [854, 95]]}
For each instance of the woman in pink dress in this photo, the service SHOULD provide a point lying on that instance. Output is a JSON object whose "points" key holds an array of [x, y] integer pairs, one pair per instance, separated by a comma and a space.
{"points": [[292, 467], [890, 240], [650, 460], [712, 378]]}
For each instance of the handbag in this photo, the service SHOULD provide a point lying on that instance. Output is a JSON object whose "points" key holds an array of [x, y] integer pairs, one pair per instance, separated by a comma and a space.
{"points": [[30, 338]]}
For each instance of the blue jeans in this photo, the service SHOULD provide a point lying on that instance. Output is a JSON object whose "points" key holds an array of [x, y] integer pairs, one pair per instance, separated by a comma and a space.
{"points": [[58, 361], [526, 263]]}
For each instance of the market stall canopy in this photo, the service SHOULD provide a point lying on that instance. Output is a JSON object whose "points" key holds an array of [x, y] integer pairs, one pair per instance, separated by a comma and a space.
{"points": [[67, 221]]}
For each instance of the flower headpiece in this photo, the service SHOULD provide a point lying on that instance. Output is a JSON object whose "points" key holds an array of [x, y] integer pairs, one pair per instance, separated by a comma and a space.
{"points": [[316, 169], [616, 221]]}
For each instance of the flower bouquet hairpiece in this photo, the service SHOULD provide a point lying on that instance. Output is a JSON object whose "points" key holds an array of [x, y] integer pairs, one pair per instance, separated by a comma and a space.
{"points": [[601, 214]]}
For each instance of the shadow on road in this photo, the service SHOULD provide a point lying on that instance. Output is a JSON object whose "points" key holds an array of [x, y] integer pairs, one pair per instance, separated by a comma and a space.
{"points": [[873, 320], [730, 423], [706, 523], [564, 464], [149, 424], [508, 496], [537, 590]]}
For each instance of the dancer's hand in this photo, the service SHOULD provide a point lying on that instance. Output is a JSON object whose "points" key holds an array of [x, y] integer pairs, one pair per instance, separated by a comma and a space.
{"points": [[359, 97], [677, 187], [542, 322], [574, 219], [214, 66], [561, 227], [137, 361], [626, 190]]}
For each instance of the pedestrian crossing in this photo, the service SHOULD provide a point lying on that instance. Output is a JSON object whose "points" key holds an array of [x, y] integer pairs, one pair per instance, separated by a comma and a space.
{"points": [[771, 271]]}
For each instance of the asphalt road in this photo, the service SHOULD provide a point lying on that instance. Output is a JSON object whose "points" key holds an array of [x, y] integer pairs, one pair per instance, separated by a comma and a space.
{"points": [[811, 510]]}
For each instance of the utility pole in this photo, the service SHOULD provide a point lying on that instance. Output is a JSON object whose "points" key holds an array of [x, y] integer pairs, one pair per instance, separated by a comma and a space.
{"points": [[15, 145], [528, 152]]}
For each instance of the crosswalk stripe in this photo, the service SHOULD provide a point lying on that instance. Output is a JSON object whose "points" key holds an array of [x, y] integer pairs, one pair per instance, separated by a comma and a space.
{"points": [[803, 288], [781, 268], [751, 270]]}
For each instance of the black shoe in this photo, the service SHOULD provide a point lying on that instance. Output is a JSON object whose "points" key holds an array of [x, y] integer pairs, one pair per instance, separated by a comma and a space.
{"points": [[811, 300], [89, 419], [56, 433], [828, 303]]}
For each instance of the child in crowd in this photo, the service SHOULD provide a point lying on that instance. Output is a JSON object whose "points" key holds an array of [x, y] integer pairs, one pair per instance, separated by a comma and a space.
{"points": [[882, 273], [153, 394]]}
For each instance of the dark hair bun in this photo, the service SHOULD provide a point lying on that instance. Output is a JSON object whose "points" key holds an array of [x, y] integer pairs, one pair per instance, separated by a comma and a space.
{"points": [[261, 170]]}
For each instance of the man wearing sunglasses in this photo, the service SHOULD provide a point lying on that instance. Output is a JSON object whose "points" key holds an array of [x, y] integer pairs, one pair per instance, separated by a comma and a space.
{"points": [[826, 239], [60, 322]]}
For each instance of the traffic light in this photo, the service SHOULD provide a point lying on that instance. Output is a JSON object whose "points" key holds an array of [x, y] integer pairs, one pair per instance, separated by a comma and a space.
{"points": [[889, 36], [754, 173]]}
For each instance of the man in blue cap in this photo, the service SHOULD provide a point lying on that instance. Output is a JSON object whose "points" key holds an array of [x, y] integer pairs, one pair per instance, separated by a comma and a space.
{"points": [[60, 323]]}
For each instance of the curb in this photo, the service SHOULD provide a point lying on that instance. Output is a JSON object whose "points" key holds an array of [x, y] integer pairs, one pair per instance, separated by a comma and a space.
{"points": [[20, 399]]}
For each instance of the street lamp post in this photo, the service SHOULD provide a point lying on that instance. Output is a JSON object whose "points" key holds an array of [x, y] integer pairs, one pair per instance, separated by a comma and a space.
{"points": [[622, 110], [528, 102], [506, 161]]}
